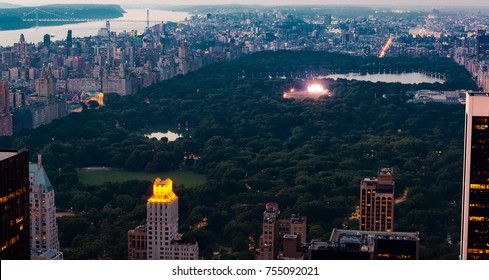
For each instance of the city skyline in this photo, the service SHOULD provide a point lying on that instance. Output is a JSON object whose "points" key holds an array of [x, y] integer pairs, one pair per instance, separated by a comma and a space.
{"points": [[433, 3]]}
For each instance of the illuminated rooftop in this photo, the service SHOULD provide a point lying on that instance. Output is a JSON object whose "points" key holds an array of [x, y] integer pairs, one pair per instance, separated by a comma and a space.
{"points": [[162, 191]]}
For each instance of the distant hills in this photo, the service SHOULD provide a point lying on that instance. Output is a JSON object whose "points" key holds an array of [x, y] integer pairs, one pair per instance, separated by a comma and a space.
{"points": [[4, 5]]}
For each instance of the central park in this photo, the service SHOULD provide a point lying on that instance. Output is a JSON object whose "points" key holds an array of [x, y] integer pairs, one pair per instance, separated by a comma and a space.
{"points": [[253, 146]]}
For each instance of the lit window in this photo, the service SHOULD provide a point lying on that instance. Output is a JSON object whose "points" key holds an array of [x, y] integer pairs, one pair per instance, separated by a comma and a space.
{"points": [[475, 251], [481, 127], [479, 186]]}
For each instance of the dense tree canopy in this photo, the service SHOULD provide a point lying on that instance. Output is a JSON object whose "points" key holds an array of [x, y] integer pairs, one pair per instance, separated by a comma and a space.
{"points": [[255, 147]]}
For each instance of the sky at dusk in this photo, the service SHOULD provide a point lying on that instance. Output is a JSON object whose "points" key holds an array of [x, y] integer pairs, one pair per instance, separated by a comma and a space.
{"points": [[429, 3]]}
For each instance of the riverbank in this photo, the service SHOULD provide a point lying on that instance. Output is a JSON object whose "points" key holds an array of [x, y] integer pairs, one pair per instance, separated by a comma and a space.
{"points": [[132, 19], [55, 15]]}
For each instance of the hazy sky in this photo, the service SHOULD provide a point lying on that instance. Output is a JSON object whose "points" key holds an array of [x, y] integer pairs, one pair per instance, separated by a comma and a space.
{"points": [[263, 2]]}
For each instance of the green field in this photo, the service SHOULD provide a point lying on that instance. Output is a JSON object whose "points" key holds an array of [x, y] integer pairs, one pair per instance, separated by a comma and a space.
{"points": [[98, 177]]}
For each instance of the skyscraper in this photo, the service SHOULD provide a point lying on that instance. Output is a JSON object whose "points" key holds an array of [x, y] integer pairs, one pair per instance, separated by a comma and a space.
{"points": [[482, 43], [14, 205], [47, 40], [475, 192], [69, 39], [162, 226], [4, 91], [377, 202], [43, 226], [5, 116], [345, 38], [22, 49]]}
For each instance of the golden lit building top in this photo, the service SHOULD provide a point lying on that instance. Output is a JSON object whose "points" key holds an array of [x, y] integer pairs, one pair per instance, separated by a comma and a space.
{"points": [[162, 191]]}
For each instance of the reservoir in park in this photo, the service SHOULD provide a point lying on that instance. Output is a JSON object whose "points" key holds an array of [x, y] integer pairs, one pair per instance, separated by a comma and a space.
{"points": [[403, 78]]}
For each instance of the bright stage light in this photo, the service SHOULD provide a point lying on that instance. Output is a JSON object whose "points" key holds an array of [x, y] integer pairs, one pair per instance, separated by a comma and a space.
{"points": [[315, 88]]}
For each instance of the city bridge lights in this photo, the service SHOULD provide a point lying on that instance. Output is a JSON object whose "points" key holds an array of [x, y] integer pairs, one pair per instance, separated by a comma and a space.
{"points": [[313, 91]]}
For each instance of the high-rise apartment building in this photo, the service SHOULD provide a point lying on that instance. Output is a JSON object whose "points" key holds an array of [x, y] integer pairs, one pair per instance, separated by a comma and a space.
{"points": [[14, 205], [183, 50], [43, 226], [281, 238], [377, 202], [5, 116], [45, 85], [475, 191], [4, 92], [482, 43], [161, 232], [69, 39], [47, 40], [22, 50], [345, 38]]}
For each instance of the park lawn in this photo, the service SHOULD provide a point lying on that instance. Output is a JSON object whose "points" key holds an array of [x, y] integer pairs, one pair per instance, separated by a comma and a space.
{"points": [[98, 177]]}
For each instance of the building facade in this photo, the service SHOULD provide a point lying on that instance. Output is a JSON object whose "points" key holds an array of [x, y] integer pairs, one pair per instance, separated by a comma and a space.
{"points": [[377, 202], [43, 226], [136, 243], [482, 44], [163, 241], [45, 85], [268, 247], [475, 192], [115, 84], [281, 238], [5, 115], [14, 205]]}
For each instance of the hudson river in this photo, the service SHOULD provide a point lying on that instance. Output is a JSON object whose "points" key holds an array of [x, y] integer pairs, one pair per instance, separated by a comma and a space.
{"points": [[136, 20]]}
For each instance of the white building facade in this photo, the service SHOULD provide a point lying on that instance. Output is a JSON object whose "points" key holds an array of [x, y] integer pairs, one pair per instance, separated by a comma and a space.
{"points": [[43, 226], [162, 226]]}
